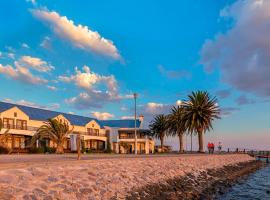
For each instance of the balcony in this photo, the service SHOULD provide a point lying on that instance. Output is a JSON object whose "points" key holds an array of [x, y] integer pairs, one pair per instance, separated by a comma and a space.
{"points": [[13, 126], [131, 136], [92, 134]]}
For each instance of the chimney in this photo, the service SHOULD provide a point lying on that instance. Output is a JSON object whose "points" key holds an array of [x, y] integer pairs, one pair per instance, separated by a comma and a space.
{"points": [[141, 117]]}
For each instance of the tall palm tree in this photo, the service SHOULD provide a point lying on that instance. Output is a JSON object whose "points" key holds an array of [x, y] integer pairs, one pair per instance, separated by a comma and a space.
{"points": [[200, 111], [56, 130], [159, 127], [177, 125]]}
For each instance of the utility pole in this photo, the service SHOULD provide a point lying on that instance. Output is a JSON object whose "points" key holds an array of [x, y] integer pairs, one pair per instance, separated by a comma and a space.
{"points": [[135, 95]]}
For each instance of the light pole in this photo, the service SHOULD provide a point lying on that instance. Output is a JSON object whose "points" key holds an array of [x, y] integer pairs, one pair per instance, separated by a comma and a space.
{"points": [[135, 95]]}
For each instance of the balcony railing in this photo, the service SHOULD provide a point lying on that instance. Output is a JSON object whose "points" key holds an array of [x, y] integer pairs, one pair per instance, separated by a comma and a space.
{"points": [[131, 136], [93, 134], [18, 127]]}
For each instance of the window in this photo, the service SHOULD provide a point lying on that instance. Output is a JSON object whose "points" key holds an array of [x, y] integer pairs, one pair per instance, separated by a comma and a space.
{"points": [[8, 123], [15, 114], [21, 124]]}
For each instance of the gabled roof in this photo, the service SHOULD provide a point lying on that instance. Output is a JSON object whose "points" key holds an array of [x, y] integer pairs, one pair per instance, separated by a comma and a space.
{"points": [[43, 115], [124, 123]]}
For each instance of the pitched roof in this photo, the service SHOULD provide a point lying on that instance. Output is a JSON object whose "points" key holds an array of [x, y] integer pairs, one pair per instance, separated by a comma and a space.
{"points": [[43, 115], [125, 123]]}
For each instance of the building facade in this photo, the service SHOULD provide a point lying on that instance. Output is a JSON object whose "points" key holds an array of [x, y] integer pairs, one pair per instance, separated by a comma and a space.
{"points": [[22, 122]]}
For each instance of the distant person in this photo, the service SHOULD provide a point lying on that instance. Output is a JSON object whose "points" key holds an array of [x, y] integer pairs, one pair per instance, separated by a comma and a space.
{"points": [[213, 147], [219, 147], [209, 147]]}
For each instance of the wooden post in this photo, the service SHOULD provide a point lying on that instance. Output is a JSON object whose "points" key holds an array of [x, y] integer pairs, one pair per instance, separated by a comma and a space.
{"points": [[79, 146]]}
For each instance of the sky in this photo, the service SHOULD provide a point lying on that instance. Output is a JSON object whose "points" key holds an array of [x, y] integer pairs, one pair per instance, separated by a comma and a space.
{"points": [[89, 57]]}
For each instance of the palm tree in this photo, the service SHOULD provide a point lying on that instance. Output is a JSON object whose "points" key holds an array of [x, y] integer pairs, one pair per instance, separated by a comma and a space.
{"points": [[200, 112], [177, 125], [4, 136], [159, 127], [56, 130]]}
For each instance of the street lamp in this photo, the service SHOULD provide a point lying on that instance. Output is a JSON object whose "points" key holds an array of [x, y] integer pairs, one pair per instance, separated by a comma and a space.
{"points": [[135, 95]]}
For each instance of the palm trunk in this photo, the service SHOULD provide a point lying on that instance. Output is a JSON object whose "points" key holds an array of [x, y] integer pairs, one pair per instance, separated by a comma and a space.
{"points": [[200, 138], [181, 142], [161, 142], [59, 148], [191, 145]]}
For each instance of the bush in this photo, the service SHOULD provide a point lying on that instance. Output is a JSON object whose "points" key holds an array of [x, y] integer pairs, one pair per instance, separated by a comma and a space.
{"points": [[88, 151], [50, 149], [37, 150], [3, 150], [109, 149]]}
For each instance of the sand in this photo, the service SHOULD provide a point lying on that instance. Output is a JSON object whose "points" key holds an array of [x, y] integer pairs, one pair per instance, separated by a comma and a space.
{"points": [[102, 178]]}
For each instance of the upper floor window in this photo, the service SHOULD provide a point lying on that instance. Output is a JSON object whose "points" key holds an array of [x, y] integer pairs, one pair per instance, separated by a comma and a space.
{"points": [[8, 123], [21, 124], [15, 114]]}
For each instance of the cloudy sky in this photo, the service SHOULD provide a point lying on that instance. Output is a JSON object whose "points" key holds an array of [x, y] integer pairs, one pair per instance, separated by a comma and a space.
{"points": [[89, 57]]}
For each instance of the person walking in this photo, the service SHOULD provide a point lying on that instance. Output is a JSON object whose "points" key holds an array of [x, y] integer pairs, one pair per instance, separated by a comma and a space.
{"points": [[219, 147], [213, 148], [209, 147]]}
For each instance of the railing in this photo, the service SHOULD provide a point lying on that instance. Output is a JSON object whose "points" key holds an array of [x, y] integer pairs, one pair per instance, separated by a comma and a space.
{"points": [[93, 134], [131, 136], [17, 127]]}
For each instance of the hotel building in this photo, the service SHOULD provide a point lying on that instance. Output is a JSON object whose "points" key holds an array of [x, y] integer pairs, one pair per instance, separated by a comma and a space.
{"points": [[22, 122]]}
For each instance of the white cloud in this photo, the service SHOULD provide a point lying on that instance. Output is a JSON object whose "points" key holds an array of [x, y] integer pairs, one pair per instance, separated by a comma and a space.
{"points": [[46, 43], [79, 35], [127, 117], [21, 74], [85, 79], [53, 88], [94, 99], [90, 83], [23, 102], [24, 45], [174, 74], [11, 55], [154, 107], [31, 1], [242, 52], [102, 115], [35, 63]]}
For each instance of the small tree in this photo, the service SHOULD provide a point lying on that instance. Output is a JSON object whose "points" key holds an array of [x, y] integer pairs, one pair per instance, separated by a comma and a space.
{"points": [[176, 125], [4, 137], [159, 128], [56, 130]]}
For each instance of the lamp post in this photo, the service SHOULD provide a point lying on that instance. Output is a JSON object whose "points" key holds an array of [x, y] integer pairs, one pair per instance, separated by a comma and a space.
{"points": [[135, 95]]}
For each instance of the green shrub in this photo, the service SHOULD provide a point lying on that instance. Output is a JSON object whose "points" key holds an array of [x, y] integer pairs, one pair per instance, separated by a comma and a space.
{"points": [[88, 151], [109, 149], [3, 150], [37, 150], [50, 149]]}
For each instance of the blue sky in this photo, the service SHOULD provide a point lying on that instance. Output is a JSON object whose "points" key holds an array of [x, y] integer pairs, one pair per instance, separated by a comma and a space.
{"points": [[89, 57]]}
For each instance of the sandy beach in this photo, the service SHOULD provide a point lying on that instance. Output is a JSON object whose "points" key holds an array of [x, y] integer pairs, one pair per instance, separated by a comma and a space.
{"points": [[100, 178]]}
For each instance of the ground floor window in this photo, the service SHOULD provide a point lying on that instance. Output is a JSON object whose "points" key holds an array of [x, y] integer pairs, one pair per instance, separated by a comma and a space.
{"points": [[17, 141], [129, 147], [94, 145]]}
